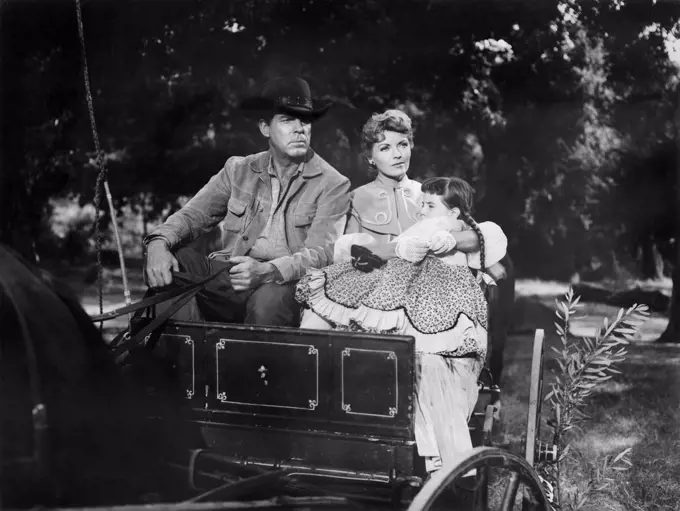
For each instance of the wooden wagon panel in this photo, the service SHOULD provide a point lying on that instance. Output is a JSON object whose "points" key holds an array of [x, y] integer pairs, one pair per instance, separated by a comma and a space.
{"points": [[182, 347], [256, 375], [310, 449], [373, 382]]}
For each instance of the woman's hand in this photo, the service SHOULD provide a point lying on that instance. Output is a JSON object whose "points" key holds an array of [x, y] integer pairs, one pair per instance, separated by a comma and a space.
{"points": [[364, 260], [385, 251]]}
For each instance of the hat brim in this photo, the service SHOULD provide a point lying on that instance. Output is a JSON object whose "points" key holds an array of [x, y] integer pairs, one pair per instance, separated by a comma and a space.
{"points": [[258, 104]]}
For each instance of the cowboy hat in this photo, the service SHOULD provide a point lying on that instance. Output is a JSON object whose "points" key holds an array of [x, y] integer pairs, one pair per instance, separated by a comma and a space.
{"points": [[288, 96]]}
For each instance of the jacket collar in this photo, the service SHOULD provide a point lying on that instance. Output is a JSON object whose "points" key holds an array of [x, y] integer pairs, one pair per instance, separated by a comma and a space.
{"points": [[312, 167], [386, 182]]}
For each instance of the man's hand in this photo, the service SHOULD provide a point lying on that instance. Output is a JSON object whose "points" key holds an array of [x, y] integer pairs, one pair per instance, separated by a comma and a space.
{"points": [[249, 273], [159, 264], [497, 272]]}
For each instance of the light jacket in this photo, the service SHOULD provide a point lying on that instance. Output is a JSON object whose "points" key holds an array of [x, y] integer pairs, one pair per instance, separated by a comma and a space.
{"points": [[385, 208], [316, 207]]}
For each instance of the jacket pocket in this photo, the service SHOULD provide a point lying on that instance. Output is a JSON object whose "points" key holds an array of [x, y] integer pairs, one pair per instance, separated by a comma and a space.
{"points": [[304, 215], [302, 218], [235, 219]]}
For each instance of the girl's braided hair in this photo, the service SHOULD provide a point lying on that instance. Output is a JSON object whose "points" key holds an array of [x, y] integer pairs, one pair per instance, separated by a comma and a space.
{"points": [[457, 193]]}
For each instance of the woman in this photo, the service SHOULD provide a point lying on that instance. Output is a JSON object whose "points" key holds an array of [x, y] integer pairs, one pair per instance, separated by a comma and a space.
{"points": [[390, 204], [427, 291], [381, 211]]}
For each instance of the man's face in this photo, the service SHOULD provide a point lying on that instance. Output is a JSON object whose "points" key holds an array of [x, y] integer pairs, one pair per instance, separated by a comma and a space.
{"points": [[288, 135]]}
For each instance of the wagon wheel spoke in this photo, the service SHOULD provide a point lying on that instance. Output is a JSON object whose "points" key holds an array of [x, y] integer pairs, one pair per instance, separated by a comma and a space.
{"points": [[500, 479]]}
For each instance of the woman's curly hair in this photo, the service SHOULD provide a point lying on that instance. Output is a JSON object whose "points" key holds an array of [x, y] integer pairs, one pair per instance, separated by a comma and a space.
{"points": [[375, 128]]}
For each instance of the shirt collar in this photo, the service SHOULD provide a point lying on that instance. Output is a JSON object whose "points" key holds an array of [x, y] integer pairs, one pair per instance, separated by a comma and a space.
{"points": [[270, 169], [386, 182]]}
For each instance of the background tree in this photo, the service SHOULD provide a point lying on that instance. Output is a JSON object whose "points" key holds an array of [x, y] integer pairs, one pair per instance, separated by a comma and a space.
{"points": [[555, 110]]}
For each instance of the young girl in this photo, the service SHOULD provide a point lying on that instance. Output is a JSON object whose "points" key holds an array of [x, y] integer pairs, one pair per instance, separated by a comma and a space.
{"points": [[427, 291]]}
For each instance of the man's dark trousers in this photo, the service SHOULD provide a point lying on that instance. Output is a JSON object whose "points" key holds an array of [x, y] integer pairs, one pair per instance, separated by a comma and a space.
{"points": [[270, 304]]}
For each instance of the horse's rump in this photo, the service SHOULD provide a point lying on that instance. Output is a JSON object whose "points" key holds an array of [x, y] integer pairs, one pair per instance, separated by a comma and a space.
{"points": [[52, 354]]}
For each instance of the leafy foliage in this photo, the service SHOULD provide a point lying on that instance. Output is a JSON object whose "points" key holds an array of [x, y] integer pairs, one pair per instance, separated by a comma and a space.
{"points": [[583, 365], [531, 101]]}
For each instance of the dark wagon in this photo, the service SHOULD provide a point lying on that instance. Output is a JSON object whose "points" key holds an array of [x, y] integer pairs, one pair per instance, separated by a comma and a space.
{"points": [[286, 412]]}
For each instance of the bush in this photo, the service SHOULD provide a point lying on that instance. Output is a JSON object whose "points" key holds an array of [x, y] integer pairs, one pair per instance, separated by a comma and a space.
{"points": [[582, 366]]}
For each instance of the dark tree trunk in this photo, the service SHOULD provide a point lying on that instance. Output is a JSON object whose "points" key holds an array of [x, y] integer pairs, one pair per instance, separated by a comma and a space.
{"points": [[15, 228], [651, 262], [25, 187], [672, 333]]}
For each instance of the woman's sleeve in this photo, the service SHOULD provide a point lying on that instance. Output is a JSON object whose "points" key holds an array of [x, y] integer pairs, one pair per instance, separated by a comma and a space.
{"points": [[353, 224], [495, 246]]}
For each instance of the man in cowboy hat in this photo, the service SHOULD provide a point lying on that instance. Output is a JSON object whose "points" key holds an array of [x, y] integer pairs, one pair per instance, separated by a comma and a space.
{"points": [[282, 211]]}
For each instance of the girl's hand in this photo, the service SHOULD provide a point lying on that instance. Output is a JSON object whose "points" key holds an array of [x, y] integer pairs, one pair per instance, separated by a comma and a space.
{"points": [[497, 272], [442, 242], [412, 249]]}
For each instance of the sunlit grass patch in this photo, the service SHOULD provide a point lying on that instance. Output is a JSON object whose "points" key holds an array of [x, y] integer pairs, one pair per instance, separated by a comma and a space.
{"points": [[613, 388], [602, 442]]}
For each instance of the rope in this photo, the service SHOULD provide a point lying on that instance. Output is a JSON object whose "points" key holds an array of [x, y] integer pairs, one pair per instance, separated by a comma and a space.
{"points": [[101, 163], [102, 179]]}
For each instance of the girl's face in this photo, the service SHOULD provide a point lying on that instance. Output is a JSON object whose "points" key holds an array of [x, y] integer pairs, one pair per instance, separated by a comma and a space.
{"points": [[433, 206], [392, 155]]}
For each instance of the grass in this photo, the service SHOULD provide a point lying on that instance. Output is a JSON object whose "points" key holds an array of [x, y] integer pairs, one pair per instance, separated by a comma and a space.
{"points": [[639, 408]]}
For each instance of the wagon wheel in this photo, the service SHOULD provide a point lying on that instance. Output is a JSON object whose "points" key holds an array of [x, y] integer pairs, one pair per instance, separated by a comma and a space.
{"points": [[536, 451], [439, 491]]}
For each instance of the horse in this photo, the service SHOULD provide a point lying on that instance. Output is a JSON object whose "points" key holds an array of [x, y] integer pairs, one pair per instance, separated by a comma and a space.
{"points": [[73, 427]]}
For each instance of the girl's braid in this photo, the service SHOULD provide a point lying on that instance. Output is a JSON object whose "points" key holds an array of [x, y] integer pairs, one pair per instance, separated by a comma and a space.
{"points": [[473, 224]]}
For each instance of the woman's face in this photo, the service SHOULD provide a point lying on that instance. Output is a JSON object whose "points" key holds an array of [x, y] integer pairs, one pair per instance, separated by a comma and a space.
{"points": [[392, 155]]}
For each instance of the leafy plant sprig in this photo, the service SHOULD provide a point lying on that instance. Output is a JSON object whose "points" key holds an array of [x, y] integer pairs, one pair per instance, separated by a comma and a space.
{"points": [[584, 364]]}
